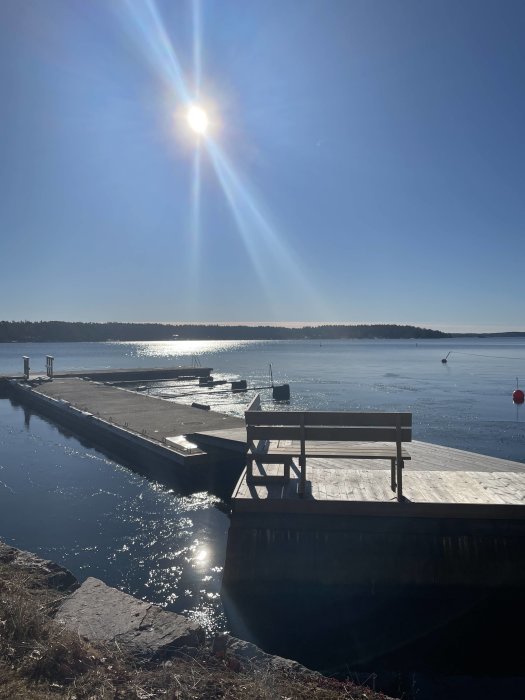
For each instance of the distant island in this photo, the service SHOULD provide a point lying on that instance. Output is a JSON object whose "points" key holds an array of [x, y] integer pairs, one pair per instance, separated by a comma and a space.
{"points": [[64, 331]]}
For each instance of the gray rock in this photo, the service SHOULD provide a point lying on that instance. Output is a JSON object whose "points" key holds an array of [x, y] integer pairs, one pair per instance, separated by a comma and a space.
{"points": [[98, 612], [246, 651], [46, 573]]}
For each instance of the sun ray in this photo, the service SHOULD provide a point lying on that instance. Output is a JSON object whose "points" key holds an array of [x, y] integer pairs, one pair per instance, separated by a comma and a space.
{"points": [[239, 215], [197, 47], [196, 193], [195, 223], [160, 52], [258, 234]]}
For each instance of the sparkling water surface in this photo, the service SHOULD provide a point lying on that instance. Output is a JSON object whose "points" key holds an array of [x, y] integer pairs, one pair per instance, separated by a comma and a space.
{"points": [[66, 500]]}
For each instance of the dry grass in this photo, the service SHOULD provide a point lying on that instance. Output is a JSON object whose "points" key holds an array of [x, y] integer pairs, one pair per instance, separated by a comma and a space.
{"points": [[40, 660]]}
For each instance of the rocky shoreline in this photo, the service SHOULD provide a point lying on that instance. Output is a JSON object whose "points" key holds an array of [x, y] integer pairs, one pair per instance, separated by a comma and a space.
{"points": [[146, 637], [60, 638], [100, 613]]}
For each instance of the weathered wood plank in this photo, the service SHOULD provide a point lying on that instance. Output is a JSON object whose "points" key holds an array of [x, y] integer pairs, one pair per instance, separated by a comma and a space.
{"points": [[340, 434], [342, 449], [328, 418], [430, 482]]}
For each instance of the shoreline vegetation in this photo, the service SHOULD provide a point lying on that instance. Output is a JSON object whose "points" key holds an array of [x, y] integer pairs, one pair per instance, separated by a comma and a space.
{"points": [[64, 331], [69, 331], [41, 659]]}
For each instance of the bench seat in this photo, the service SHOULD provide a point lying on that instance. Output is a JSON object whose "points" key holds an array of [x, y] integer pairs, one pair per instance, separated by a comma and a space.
{"points": [[345, 450]]}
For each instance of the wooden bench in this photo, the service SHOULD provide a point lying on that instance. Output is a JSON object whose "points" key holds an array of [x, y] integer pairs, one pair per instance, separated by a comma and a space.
{"points": [[279, 437]]}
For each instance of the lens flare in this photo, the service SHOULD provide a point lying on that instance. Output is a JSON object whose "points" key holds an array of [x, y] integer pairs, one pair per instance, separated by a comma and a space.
{"points": [[198, 120]]}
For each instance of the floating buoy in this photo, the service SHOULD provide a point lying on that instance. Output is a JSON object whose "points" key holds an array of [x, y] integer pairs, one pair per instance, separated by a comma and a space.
{"points": [[517, 395], [444, 360]]}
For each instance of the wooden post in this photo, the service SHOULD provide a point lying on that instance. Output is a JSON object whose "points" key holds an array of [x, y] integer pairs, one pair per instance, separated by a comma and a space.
{"points": [[400, 480], [399, 459], [287, 469], [393, 474], [26, 366], [302, 458]]}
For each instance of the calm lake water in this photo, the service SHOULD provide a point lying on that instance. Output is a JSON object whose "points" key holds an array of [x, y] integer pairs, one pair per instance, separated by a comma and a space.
{"points": [[66, 500]]}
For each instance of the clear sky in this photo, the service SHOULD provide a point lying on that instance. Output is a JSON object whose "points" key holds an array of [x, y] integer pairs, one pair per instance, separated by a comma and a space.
{"points": [[364, 161]]}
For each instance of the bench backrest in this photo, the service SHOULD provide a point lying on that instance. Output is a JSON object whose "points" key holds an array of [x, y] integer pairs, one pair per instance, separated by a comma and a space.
{"points": [[348, 426]]}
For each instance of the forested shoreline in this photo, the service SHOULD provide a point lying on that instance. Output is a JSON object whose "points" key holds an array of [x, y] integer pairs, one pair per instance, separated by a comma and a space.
{"points": [[63, 331]]}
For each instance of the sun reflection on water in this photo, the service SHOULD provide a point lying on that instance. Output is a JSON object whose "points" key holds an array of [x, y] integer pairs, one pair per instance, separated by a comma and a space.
{"points": [[183, 348], [178, 563], [201, 557]]}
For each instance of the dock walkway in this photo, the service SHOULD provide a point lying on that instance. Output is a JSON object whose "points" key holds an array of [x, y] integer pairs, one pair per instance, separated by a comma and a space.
{"points": [[145, 415], [151, 434]]}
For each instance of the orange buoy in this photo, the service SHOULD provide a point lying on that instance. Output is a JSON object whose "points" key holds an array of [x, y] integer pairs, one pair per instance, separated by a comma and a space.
{"points": [[518, 396]]}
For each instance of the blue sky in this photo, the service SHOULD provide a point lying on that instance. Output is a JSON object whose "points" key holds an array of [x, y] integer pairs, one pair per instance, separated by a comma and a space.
{"points": [[365, 161]]}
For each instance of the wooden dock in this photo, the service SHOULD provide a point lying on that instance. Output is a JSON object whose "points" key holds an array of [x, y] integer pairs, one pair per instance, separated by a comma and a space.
{"points": [[395, 583], [438, 480]]}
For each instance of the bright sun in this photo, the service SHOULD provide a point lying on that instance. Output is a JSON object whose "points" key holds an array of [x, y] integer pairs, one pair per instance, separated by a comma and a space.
{"points": [[197, 119]]}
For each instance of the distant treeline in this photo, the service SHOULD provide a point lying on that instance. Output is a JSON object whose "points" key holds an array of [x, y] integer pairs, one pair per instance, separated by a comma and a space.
{"points": [[61, 331]]}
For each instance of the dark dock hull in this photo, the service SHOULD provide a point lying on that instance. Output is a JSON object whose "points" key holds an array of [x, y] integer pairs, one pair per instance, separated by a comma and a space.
{"points": [[385, 593]]}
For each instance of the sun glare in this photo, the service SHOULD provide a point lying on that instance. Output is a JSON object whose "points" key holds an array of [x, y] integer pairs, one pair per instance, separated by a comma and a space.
{"points": [[197, 120]]}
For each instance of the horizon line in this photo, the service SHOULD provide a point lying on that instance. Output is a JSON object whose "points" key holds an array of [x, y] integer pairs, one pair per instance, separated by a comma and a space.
{"points": [[444, 327]]}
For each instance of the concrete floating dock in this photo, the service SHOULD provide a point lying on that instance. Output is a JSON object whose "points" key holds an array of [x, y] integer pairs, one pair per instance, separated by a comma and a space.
{"points": [[123, 375], [145, 415], [153, 433], [138, 374]]}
